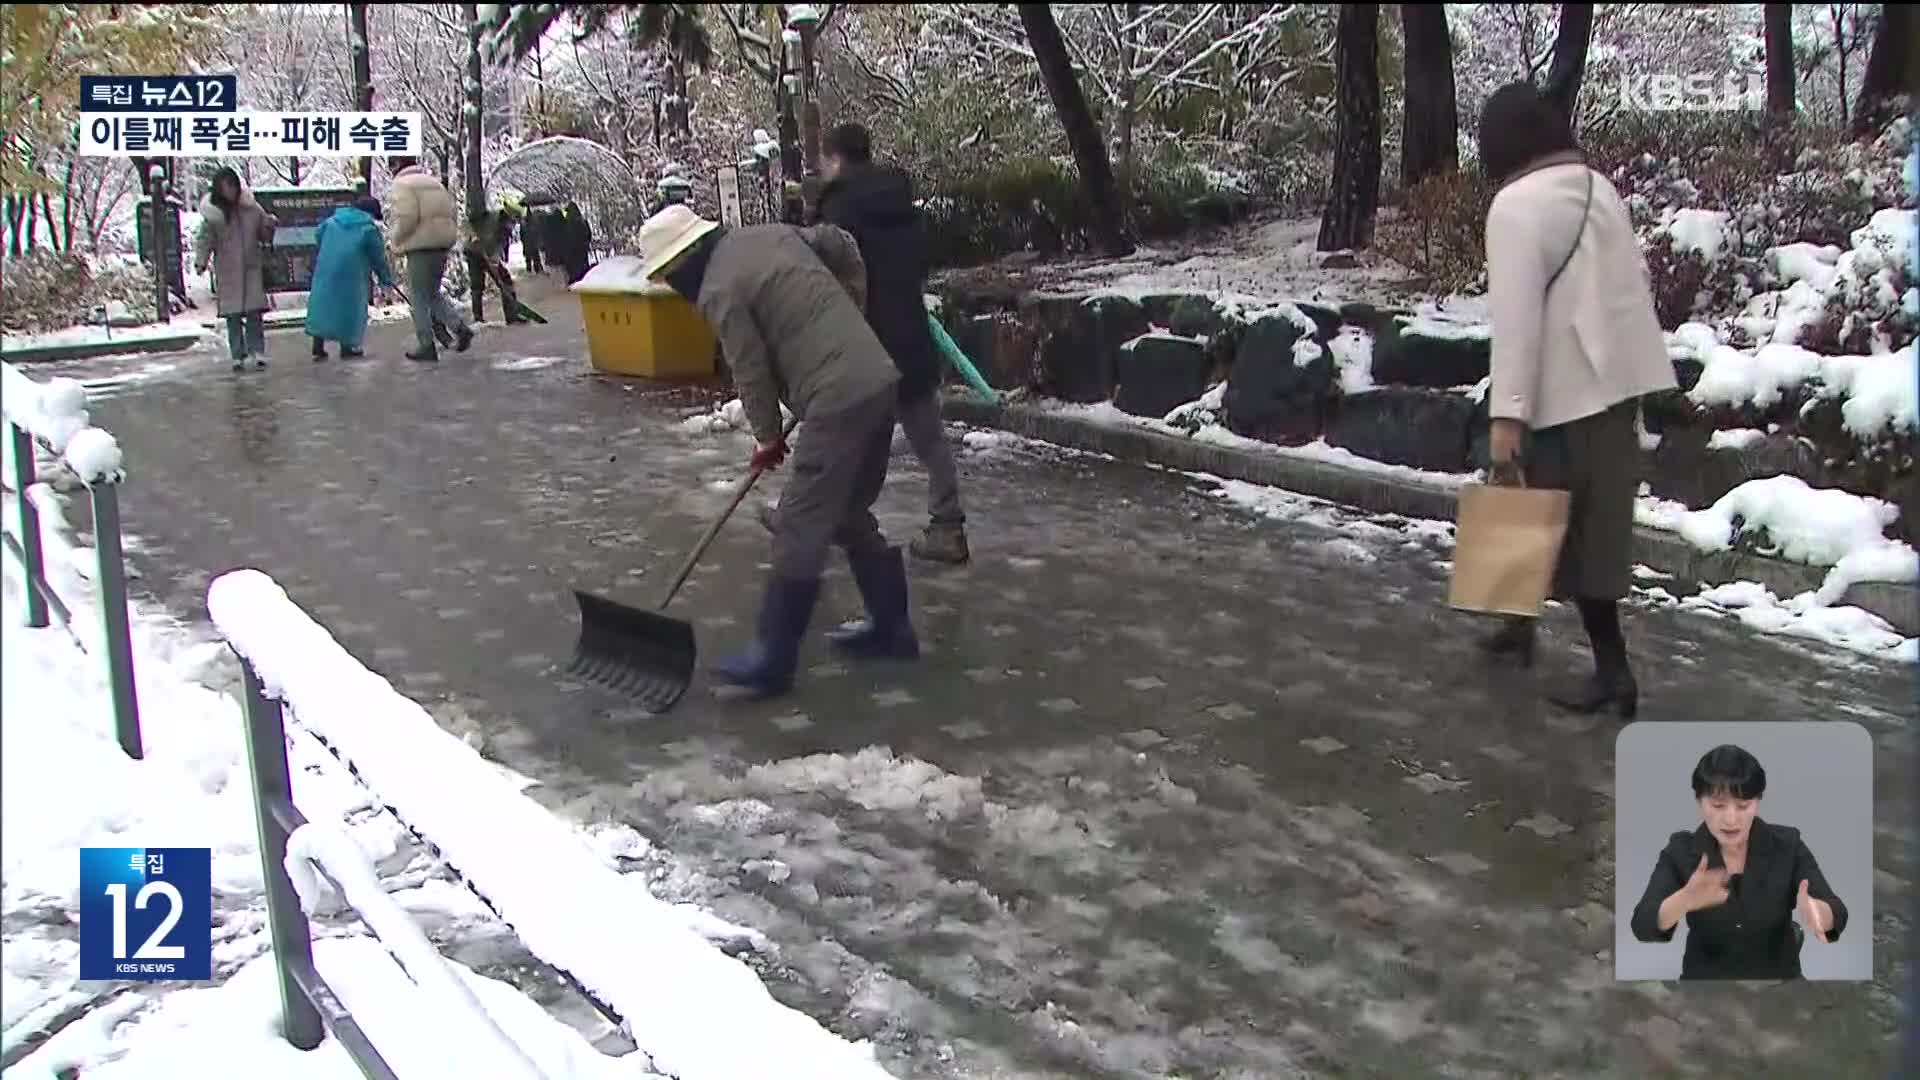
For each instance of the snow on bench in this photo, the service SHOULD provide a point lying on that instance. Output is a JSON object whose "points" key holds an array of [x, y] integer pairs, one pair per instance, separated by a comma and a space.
{"points": [[697, 1012], [320, 856], [55, 413]]}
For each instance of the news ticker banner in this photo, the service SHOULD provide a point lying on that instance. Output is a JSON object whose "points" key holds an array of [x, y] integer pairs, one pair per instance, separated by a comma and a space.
{"points": [[146, 914], [200, 115], [252, 134]]}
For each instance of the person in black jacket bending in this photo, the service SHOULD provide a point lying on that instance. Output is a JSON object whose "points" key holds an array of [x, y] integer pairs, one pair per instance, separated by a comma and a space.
{"points": [[1738, 882], [875, 205]]}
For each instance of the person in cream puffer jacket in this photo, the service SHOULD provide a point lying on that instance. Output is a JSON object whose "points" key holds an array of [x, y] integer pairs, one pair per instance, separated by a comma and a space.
{"points": [[424, 227]]}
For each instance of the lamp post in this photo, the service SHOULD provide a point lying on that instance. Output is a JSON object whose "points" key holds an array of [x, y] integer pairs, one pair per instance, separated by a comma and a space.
{"points": [[804, 22]]}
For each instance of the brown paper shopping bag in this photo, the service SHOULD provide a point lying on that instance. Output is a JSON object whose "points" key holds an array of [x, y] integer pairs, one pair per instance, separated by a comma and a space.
{"points": [[1508, 544]]}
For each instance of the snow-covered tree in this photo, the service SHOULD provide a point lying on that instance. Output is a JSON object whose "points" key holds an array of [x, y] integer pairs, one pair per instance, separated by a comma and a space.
{"points": [[1347, 222], [1889, 70], [290, 58], [1430, 134], [420, 51], [43, 49]]}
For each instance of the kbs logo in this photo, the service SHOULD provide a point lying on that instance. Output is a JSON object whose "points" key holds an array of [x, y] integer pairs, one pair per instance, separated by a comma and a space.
{"points": [[146, 914], [1693, 93]]}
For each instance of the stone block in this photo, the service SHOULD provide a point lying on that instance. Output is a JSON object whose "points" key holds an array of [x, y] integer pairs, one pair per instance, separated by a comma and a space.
{"points": [[1082, 343], [1408, 356], [1424, 429], [1270, 395], [1002, 345], [1157, 373]]}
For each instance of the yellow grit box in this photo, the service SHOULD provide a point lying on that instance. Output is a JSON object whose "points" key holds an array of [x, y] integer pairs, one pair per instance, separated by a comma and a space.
{"points": [[638, 327]]}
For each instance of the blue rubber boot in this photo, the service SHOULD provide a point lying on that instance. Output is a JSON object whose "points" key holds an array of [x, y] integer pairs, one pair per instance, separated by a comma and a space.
{"points": [[766, 667], [887, 631]]}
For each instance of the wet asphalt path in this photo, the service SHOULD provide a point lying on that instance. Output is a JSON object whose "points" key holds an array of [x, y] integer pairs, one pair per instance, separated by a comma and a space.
{"points": [[1176, 791]]}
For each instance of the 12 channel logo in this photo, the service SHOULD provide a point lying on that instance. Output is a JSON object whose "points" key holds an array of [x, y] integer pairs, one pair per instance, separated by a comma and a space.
{"points": [[146, 914]]}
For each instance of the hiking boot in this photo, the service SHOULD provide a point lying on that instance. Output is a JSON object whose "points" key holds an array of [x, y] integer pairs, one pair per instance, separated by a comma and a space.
{"points": [[462, 339], [942, 542]]}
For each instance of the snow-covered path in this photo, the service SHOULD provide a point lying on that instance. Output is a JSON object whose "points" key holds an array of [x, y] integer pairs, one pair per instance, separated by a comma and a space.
{"points": [[1178, 788]]}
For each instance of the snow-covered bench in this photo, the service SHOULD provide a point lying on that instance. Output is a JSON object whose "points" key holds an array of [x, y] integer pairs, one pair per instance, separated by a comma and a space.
{"points": [[54, 415], [303, 862]]}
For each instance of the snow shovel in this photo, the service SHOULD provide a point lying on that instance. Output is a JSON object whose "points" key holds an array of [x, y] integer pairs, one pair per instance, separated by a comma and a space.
{"points": [[647, 655]]}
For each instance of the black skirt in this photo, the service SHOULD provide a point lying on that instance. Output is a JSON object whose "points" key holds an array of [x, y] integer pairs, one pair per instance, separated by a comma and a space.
{"points": [[1596, 459]]}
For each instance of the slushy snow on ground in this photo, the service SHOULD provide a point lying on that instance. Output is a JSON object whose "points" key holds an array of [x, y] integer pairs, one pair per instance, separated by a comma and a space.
{"points": [[731, 416]]}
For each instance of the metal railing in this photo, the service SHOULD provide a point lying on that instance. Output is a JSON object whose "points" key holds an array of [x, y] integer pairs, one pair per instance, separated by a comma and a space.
{"points": [[29, 548], [309, 1005]]}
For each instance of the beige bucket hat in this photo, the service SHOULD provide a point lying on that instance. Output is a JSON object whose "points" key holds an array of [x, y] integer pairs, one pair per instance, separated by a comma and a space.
{"points": [[669, 233]]}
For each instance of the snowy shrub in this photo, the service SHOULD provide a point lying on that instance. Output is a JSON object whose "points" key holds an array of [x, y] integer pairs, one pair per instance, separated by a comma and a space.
{"points": [[1036, 204], [1680, 280], [1440, 230], [47, 290], [1173, 193], [1783, 183]]}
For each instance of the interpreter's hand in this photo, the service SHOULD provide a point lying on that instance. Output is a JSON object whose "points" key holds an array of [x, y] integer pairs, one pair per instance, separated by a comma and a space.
{"points": [[1706, 888], [769, 456], [1816, 915]]}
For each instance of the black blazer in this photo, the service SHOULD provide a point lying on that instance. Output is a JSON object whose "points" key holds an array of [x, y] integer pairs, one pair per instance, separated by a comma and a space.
{"points": [[1753, 935]]}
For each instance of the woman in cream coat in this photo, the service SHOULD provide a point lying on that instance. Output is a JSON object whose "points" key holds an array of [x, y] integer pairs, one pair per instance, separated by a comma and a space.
{"points": [[1576, 344]]}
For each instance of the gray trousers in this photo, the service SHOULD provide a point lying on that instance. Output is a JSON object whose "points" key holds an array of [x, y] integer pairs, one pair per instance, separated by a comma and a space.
{"points": [[425, 269], [920, 422], [247, 335], [839, 465]]}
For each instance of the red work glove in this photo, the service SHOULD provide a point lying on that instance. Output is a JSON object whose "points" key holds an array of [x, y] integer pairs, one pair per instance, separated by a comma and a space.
{"points": [[769, 456]]}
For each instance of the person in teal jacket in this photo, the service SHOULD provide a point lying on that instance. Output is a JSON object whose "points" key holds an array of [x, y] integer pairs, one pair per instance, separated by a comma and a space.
{"points": [[352, 253]]}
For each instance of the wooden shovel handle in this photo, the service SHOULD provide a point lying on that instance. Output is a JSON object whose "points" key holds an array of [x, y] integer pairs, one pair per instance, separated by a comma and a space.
{"points": [[713, 530]]}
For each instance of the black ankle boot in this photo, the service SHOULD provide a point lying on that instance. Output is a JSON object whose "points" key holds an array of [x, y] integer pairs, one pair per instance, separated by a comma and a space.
{"points": [[1611, 688], [1515, 638]]}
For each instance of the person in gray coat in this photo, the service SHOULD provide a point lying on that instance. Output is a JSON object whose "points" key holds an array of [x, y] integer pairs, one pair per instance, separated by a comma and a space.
{"points": [[787, 304], [234, 236]]}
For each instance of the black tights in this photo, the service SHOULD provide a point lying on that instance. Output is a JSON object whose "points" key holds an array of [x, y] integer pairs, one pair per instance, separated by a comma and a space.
{"points": [[1601, 617]]}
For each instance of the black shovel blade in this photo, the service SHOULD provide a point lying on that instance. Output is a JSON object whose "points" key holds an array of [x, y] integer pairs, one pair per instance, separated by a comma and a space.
{"points": [[642, 654]]}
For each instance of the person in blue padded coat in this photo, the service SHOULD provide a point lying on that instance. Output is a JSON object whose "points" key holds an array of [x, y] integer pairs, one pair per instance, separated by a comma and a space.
{"points": [[352, 253]]}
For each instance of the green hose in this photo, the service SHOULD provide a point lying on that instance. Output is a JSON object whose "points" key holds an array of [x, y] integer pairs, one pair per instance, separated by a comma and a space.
{"points": [[960, 362]]}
